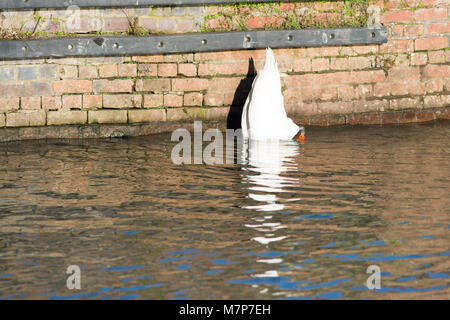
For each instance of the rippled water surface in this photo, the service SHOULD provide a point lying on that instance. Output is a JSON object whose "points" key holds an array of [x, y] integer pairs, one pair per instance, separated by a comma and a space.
{"points": [[292, 222]]}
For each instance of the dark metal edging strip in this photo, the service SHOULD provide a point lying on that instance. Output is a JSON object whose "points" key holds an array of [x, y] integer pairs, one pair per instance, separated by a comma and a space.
{"points": [[58, 4], [191, 42]]}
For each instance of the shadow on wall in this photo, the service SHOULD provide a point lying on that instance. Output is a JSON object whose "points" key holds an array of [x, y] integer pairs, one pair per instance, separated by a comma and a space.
{"points": [[242, 91]]}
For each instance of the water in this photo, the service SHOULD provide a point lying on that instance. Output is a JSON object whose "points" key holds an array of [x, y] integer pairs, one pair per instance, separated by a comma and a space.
{"points": [[294, 222]]}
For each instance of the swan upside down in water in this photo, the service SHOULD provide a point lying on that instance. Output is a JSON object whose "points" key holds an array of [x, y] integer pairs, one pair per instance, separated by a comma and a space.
{"points": [[264, 116]]}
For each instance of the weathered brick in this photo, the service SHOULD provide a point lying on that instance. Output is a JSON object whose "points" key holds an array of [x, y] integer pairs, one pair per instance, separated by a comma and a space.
{"points": [[154, 85], [416, 88], [7, 74], [147, 70], [69, 72], [397, 46], [217, 114], [425, 115], [2, 120], [26, 118], [436, 71], [414, 30], [419, 58], [405, 103], [382, 89], [364, 91], [339, 107], [113, 86], [177, 114], [27, 73], [433, 86], [214, 99], [63, 117], [193, 99], [403, 74], [339, 64], [72, 86], [194, 84], [136, 116], [92, 101], [108, 116], [72, 101], [88, 72], [436, 101], [108, 71], [167, 70], [128, 70], [30, 103], [153, 100], [122, 101], [346, 93], [47, 72], [187, 69], [51, 102], [432, 43], [9, 104], [173, 100], [399, 89], [13, 90]]}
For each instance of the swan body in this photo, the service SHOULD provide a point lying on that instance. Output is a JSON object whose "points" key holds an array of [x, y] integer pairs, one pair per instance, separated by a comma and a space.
{"points": [[263, 115]]}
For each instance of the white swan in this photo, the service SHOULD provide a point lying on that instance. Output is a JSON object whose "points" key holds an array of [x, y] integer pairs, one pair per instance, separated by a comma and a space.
{"points": [[264, 116]]}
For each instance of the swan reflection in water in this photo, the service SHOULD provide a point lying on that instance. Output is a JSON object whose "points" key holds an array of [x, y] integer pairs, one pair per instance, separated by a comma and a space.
{"points": [[265, 166]]}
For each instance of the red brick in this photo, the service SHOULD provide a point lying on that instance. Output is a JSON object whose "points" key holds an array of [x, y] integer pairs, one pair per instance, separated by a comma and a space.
{"points": [[92, 101], [173, 100], [72, 86], [436, 101], [359, 63], [30, 103], [301, 65], [122, 101], [405, 103], [430, 14], [113, 86], [320, 64], [432, 43], [397, 16], [153, 100], [216, 114], [128, 70], [438, 27], [66, 117], [51, 102], [340, 107], [167, 70], [436, 56], [177, 114], [403, 74], [425, 115], [398, 30], [9, 104], [390, 117], [194, 84], [187, 69], [72, 102], [155, 85], [108, 71], [407, 117], [436, 71], [108, 116], [193, 99], [339, 64]]}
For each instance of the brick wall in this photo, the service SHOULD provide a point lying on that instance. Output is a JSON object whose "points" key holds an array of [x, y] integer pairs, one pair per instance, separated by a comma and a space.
{"points": [[405, 80]]}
